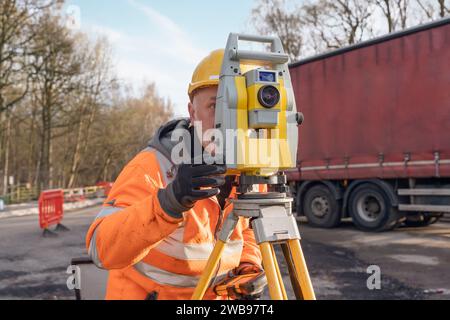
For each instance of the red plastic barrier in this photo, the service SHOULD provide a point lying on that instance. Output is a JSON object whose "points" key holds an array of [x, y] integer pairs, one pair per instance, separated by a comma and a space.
{"points": [[50, 208], [74, 195], [106, 186]]}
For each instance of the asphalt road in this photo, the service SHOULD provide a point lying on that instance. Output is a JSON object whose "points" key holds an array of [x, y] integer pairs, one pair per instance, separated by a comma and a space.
{"points": [[34, 267], [414, 263]]}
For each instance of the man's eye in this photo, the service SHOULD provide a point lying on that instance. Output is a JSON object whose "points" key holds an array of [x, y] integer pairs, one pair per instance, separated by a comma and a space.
{"points": [[213, 106]]}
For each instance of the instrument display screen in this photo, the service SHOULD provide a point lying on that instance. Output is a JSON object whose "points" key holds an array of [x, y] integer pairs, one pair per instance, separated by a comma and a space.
{"points": [[267, 76]]}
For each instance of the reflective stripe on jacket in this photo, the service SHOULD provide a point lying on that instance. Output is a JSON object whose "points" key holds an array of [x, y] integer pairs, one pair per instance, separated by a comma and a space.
{"points": [[148, 251]]}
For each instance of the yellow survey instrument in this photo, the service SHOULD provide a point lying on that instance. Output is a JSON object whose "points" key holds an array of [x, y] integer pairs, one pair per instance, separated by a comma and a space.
{"points": [[258, 123]]}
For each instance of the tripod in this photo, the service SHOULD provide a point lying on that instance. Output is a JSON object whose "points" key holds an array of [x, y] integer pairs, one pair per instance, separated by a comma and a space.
{"points": [[273, 223]]}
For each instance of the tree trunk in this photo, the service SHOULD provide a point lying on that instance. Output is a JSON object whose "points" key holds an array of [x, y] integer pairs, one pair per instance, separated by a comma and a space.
{"points": [[51, 174], [76, 156], [105, 173], [80, 141], [102, 175], [65, 170], [1, 150], [44, 168], [31, 139], [15, 165], [442, 8], [37, 172], [6, 162]]}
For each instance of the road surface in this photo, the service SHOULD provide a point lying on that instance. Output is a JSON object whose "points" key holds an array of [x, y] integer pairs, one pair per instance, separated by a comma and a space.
{"points": [[413, 262]]}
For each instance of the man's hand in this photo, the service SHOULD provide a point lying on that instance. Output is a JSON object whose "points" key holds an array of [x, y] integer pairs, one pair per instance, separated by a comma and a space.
{"points": [[246, 282], [247, 267], [181, 194]]}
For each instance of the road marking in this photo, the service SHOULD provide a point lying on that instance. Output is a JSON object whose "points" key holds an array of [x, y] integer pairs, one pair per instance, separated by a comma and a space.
{"points": [[418, 259]]}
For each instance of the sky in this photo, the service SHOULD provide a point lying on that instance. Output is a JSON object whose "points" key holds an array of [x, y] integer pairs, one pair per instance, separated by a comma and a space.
{"points": [[161, 41]]}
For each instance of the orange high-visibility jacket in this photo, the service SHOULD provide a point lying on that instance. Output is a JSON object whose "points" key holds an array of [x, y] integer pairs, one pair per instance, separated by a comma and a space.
{"points": [[151, 254]]}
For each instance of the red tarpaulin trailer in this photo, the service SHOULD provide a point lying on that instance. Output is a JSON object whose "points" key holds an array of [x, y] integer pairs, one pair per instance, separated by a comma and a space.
{"points": [[375, 143]]}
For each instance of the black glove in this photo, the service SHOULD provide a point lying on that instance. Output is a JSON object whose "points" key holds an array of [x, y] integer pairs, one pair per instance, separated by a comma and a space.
{"points": [[181, 194]]}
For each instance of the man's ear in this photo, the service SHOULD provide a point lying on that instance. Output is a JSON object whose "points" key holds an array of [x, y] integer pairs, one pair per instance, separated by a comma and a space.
{"points": [[191, 110]]}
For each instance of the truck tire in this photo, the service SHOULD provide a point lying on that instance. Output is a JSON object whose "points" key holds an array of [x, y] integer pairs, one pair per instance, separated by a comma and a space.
{"points": [[321, 208], [371, 209], [421, 220]]}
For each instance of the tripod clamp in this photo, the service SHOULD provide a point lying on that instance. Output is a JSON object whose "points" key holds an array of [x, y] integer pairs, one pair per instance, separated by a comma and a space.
{"points": [[271, 218], [270, 213]]}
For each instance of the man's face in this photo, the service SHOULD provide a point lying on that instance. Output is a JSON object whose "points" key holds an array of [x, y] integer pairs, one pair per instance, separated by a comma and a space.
{"points": [[202, 108]]}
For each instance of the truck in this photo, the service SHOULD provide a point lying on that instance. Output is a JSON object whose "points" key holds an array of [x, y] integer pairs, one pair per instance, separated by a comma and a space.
{"points": [[375, 142]]}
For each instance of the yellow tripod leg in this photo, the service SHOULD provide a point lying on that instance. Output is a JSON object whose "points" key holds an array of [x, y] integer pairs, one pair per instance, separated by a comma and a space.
{"points": [[207, 274], [292, 274], [277, 268], [301, 270], [271, 273]]}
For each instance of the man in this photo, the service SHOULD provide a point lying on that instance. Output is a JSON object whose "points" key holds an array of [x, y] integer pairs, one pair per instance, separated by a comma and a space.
{"points": [[160, 221]]}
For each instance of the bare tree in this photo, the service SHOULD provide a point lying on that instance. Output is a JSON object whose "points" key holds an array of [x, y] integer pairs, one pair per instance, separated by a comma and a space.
{"points": [[96, 79], [64, 120], [388, 12], [444, 8], [334, 24], [403, 8], [16, 17], [434, 8], [396, 13], [54, 67], [276, 17], [122, 130]]}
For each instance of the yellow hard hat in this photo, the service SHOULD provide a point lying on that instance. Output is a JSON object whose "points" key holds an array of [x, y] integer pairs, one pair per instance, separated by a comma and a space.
{"points": [[207, 72]]}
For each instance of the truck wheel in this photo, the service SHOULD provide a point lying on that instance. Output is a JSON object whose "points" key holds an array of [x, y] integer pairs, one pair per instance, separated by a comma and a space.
{"points": [[421, 220], [371, 209], [321, 208]]}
